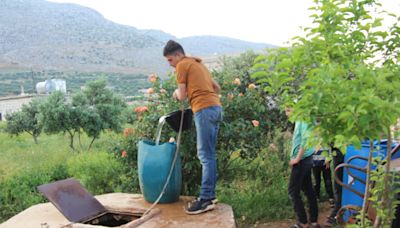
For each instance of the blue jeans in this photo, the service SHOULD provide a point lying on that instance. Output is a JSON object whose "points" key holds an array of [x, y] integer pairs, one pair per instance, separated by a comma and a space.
{"points": [[207, 125]]}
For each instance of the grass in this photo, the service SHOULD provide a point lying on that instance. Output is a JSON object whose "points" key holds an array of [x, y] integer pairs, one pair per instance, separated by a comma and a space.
{"points": [[257, 191], [20, 153], [25, 165]]}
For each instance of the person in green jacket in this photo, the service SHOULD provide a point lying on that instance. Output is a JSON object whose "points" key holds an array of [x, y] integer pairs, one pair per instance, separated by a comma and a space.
{"points": [[301, 162]]}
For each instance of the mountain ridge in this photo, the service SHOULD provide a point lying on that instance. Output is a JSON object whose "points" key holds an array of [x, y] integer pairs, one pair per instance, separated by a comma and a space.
{"points": [[38, 34]]}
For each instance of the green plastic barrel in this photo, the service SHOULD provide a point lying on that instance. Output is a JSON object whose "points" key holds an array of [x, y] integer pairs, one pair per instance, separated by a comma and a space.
{"points": [[154, 163]]}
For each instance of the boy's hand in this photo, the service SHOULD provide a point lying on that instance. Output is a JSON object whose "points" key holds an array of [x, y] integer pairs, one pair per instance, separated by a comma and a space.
{"points": [[327, 164], [175, 94], [293, 162], [180, 92]]}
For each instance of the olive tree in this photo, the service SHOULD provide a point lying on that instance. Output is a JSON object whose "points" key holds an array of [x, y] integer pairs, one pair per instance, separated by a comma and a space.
{"points": [[58, 116], [99, 109], [26, 120], [92, 111]]}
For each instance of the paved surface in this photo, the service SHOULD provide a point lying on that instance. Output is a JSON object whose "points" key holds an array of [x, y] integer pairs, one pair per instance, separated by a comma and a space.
{"points": [[171, 215]]}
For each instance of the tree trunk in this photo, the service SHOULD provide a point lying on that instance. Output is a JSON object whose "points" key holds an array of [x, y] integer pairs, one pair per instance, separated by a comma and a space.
{"points": [[71, 140], [366, 192], [385, 197], [79, 138], [91, 143], [33, 136]]}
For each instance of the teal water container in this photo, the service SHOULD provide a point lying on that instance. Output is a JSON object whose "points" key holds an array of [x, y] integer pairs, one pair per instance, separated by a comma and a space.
{"points": [[154, 163]]}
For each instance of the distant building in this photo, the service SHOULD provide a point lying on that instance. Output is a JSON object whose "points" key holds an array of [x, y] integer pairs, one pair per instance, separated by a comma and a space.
{"points": [[12, 104]]}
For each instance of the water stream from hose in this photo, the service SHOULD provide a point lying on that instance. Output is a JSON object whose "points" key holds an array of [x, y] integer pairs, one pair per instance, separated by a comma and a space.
{"points": [[161, 123]]}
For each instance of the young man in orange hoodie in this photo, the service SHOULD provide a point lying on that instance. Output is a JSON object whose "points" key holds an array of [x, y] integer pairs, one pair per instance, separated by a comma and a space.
{"points": [[195, 83]]}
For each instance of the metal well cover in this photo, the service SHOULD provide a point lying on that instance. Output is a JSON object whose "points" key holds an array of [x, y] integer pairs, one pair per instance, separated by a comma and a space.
{"points": [[72, 200]]}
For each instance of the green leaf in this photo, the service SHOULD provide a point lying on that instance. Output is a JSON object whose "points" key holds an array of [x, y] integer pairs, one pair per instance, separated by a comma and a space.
{"points": [[345, 115], [259, 74], [260, 58], [263, 66]]}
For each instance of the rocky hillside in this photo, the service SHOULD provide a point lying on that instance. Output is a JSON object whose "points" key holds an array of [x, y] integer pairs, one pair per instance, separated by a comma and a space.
{"points": [[44, 35]]}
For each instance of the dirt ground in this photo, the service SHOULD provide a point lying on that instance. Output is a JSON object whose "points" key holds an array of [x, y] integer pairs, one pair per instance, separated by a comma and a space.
{"points": [[324, 210]]}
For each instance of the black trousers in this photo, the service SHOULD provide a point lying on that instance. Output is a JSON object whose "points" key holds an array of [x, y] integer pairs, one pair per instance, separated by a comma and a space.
{"points": [[326, 173], [300, 179], [396, 220], [337, 189]]}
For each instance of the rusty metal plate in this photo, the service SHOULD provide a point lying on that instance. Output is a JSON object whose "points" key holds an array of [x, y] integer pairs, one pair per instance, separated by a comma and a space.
{"points": [[72, 200]]}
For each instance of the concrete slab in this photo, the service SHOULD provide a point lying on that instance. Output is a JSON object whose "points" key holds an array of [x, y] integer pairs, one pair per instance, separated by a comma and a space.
{"points": [[171, 215]]}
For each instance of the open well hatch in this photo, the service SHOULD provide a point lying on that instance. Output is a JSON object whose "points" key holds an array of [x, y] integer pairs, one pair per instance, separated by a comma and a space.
{"points": [[79, 206]]}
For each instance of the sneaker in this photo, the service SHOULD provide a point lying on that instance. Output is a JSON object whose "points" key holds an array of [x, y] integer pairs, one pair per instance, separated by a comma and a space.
{"points": [[200, 205], [332, 203], [314, 225], [298, 225], [330, 222]]}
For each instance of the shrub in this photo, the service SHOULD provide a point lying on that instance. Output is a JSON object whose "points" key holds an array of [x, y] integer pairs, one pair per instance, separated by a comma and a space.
{"points": [[247, 109], [259, 189], [99, 172], [3, 126], [19, 191]]}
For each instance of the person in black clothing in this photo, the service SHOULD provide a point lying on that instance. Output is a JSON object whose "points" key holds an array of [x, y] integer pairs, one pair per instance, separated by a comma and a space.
{"points": [[301, 163], [396, 220], [337, 158], [322, 166]]}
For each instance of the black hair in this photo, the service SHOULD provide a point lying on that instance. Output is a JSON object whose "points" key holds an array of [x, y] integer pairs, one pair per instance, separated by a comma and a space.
{"points": [[172, 47]]}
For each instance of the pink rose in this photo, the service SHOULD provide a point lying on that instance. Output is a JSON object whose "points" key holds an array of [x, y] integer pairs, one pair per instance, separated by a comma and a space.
{"points": [[237, 81], [251, 86], [153, 78], [150, 91], [128, 131], [255, 123], [141, 109]]}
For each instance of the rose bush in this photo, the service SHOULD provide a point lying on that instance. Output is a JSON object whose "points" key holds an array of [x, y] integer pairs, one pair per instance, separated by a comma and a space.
{"points": [[249, 117], [249, 114]]}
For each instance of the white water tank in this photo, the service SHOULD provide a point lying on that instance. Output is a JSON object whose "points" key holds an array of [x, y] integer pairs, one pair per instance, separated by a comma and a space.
{"points": [[50, 86], [41, 87], [59, 85]]}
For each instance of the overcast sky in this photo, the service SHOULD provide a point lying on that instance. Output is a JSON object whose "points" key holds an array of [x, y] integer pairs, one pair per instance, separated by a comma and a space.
{"points": [[266, 21]]}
